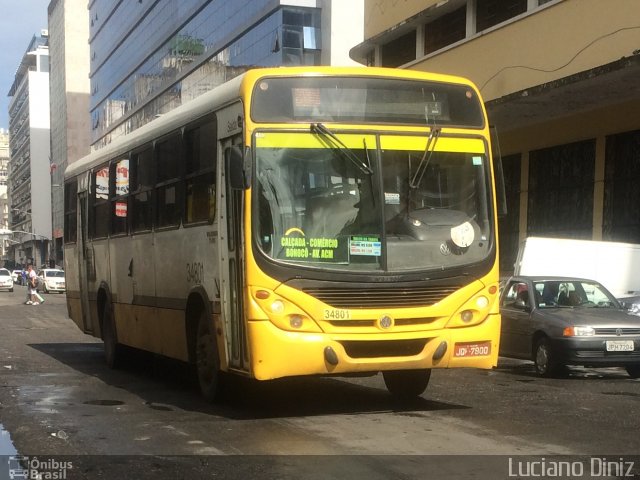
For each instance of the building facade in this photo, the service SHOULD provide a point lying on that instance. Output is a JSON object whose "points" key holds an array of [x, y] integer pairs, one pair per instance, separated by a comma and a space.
{"points": [[148, 57], [69, 101], [560, 82], [29, 180], [4, 201]]}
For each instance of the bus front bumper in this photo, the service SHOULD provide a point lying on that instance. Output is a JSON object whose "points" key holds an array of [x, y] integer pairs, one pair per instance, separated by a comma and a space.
{"points": [[277, 353]]}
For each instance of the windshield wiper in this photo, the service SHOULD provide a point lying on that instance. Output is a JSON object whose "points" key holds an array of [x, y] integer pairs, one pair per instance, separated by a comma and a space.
{"points": [[434, 135], [320, 129]]}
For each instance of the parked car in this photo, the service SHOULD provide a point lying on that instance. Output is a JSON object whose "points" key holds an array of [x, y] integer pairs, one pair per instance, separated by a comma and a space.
{"points": [[17, 277], [6, 281], [558, 321], [51, 280]]}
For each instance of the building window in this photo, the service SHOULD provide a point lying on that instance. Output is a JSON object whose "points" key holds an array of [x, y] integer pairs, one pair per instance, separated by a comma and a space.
{"points": [[200, 178], [561, 183], [399, 51], [621, 188], [445, 30], [493, 12], [509, 225]]}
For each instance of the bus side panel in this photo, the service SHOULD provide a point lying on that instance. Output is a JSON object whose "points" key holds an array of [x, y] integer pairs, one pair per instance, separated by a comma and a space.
{"points": [[98, 274]]}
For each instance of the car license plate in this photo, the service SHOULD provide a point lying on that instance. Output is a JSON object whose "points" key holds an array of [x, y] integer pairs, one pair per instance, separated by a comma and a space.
{"points": [[474, 349], [619, 345]]}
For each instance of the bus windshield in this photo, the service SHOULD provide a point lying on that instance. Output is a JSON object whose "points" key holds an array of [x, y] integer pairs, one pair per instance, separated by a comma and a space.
{"points": [[371, 203]]}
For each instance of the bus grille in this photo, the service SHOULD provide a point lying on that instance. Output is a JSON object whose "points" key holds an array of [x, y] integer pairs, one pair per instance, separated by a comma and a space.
{"points": [[398, 322], [381, 297], [384, 348]]}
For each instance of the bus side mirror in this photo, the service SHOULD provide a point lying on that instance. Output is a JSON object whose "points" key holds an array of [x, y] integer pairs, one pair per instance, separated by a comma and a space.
{"points": [[235, 168]]}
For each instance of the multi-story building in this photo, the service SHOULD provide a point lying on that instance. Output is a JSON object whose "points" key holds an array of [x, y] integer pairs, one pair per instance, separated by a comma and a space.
{"points": [[560, 82], [69, 100], [4, 203], [147, 57], [29, 181]]}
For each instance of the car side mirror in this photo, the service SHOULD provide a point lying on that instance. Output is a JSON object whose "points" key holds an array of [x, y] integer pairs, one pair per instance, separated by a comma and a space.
{"points": [[521, 305]]}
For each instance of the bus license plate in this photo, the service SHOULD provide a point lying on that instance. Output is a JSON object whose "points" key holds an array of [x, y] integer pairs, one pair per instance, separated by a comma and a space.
{"points": [[619, 345], [479, 349]]}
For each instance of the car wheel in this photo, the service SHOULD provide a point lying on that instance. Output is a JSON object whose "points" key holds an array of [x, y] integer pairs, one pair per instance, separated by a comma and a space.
{"points": [[112, 349], [544, 359], [45, 289], [11, 290], [207, 360], [407, 384], [633, 370]]}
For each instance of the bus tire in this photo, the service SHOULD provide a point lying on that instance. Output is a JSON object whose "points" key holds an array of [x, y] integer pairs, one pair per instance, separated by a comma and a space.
{"points": [[207, 360], [112, 349], [407, 384]]}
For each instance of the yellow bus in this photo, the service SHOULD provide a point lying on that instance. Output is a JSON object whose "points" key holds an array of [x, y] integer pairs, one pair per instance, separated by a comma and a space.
{"points": [[295, 221]]}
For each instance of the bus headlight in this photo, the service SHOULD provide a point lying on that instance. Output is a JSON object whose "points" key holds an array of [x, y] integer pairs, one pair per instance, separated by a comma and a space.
{"points": [[277, 307], [473, 311], [466, 316], [282, 313], [296, 321]]}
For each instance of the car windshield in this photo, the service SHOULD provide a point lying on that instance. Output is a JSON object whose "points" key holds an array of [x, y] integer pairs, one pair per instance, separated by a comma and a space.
{"points": [[334, 200], [573, 294], [54, 273], [4, 273]]}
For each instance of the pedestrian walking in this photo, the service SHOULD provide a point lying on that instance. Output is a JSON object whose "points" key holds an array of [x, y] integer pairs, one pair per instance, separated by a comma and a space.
{"points": [[32, 284]]}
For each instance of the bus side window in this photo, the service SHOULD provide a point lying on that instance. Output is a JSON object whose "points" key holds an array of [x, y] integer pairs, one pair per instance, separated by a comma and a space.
{"points": [[119, 197], [99, 212], [200, 174], [141, 188], [168, 187]]}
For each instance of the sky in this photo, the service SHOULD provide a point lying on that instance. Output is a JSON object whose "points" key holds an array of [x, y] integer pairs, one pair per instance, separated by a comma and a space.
{"points": [[19, 22]]}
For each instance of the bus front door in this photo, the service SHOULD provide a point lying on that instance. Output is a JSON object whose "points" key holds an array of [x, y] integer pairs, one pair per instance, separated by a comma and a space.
{"points": [[85, 262], [232, 265]]}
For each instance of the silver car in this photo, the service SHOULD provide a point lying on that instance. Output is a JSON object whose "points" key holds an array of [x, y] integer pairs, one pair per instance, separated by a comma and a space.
{"points": [[6, 280], [51, 280], [558, 321]]}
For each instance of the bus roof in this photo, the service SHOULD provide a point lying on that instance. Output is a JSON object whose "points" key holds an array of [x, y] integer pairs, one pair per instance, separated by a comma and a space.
{"points": [[228, 92]]}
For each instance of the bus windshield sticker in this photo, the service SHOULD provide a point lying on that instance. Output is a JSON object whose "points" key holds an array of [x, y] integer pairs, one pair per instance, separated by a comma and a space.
{"points": [[477, 161], [313, 249], [391, 198], [369, 246]]}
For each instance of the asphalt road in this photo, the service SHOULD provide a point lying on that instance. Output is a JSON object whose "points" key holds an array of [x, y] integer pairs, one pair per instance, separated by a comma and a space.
{"points": [[59, 401]]}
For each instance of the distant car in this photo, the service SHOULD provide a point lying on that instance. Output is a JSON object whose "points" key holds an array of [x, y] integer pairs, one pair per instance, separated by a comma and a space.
{"points": [[6, 281], [558, 321], [51, 280], [17, 276]]}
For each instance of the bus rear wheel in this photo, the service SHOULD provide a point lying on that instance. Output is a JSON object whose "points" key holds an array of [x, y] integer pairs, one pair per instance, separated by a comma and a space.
{"points": [[112, 349], [207, 361], [407, 384]]}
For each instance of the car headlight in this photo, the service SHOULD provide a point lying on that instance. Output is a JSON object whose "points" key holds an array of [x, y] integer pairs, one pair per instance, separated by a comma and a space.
{"points": [[575, 331]]}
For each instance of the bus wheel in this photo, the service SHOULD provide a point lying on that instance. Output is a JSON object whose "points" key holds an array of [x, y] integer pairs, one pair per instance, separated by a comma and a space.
{"points": [[112, 349], [407, 384], [207, 361]]}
